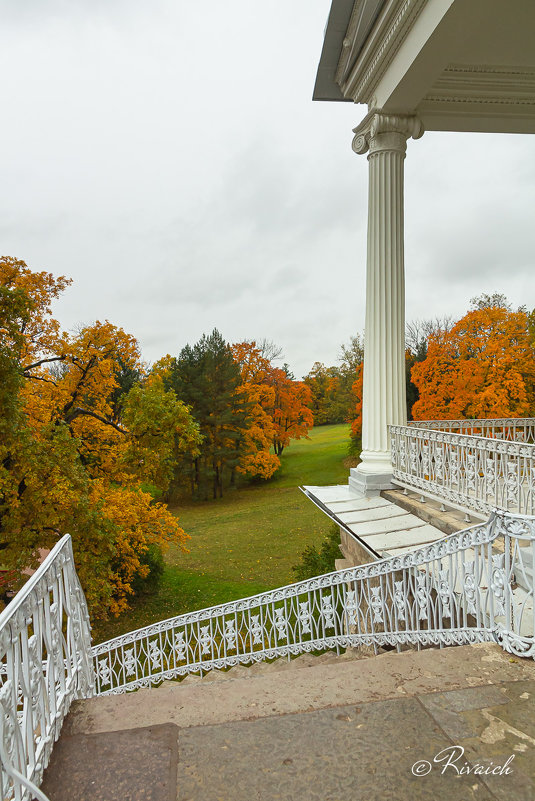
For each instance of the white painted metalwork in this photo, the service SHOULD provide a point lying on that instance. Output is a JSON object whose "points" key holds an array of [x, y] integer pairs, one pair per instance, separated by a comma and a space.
{"points": [[457, 590], [45, 663], [513, 429], [474, 586], [473, 473]]}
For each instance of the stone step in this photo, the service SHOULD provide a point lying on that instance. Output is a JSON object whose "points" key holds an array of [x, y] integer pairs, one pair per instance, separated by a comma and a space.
{"points": [[345, 679], [332, 730], [277, 665]]}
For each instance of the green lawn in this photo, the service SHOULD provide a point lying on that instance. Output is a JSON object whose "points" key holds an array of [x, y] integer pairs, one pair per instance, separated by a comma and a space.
{"points": [[247, 541]]}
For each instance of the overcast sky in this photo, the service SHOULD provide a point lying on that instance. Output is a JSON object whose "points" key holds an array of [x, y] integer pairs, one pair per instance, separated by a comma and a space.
{"points": [[167, 156]]}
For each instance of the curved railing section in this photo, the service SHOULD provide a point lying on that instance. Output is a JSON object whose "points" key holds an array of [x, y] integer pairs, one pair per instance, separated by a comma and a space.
{"points": [[512, 429], [45, 663], [476, 585], [457, 590], [473, 473]]}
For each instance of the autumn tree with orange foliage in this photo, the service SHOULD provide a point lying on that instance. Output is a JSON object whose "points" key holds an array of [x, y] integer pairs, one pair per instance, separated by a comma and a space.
{"points": [[74, 458], [358, 392], [291, 412], [256, 459], [282, 404], [280, 410], [483, 367]]}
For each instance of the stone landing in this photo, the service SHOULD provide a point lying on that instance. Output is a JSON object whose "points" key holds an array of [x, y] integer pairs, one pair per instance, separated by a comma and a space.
{"points": [[337, 730]]}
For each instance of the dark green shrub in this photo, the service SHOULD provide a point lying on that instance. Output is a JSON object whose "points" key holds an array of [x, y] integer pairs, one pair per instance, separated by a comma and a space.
{"points": [[314, 562], [149, 585], [152, 490]]}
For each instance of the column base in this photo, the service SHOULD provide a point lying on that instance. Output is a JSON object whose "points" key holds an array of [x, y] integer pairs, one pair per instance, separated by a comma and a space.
{"points": [[366, 484]]}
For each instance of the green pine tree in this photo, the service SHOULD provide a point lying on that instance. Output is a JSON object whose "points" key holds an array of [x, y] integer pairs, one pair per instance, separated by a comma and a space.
{"points": [[207, 379]]}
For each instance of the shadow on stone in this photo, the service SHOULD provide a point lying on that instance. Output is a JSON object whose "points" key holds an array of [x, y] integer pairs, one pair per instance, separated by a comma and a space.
{"points": [[129, 765]]}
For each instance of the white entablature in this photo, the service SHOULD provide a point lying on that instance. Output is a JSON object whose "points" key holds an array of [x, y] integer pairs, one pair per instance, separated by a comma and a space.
{"points": [[443, 65], [459, 65]]}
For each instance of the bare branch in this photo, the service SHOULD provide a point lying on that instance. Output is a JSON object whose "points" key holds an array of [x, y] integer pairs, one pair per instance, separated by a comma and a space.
{"points": [[78, 412], [40, 378], [43, 361]]}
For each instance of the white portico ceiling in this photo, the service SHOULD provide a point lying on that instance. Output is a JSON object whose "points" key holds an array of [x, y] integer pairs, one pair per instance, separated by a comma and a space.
{"points": [[461, 65]]}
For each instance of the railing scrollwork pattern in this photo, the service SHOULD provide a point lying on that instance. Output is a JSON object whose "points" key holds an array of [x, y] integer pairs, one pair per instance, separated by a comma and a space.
{"points": [[473, 473], [45, 663], [511, 429], [454, 591], [461, 589]]}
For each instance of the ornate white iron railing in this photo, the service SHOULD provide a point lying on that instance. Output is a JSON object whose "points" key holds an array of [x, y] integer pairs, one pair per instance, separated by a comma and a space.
{"points": [[475, 474], [45, 662], [512, 429], [457, 590], [473, 586]]}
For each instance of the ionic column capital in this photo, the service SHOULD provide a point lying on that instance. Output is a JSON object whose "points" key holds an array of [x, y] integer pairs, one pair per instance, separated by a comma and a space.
{"points": [[380, 132]]}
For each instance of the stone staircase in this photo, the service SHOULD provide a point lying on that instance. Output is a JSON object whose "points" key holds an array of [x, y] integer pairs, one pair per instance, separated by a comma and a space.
{"points": [[279, 666], [141, 731], [326, 728]]}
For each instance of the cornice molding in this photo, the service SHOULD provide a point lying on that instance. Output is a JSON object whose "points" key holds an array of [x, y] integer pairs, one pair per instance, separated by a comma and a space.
{"points": [[475, 100], [478, 84], [388, 35], [379, 131], [491, 69], [348, 42]]}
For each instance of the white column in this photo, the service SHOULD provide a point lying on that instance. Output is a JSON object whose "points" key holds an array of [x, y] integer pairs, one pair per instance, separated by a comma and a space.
{"points": [[385, 138]]}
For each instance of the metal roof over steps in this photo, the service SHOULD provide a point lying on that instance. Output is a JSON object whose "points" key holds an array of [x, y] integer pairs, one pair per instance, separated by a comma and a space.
{"points": [[394, 523], [388, 524]]}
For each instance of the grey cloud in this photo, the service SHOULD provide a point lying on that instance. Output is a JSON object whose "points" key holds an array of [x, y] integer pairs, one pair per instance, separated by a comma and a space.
{"points": [[168, 157]]}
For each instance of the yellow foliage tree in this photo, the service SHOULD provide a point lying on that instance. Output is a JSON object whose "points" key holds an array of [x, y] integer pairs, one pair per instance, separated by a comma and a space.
{"points": [[74, 463]]}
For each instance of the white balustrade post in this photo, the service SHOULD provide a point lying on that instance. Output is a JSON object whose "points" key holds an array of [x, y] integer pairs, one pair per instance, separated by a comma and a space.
{"points": [[384, 137]]}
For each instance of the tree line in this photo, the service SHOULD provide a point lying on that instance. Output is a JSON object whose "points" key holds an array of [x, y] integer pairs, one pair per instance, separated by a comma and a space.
{"points": [[247, 411], [93, 440]]}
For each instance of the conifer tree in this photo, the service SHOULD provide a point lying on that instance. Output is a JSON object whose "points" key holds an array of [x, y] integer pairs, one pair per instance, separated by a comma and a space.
{"points": [[206, 378]]}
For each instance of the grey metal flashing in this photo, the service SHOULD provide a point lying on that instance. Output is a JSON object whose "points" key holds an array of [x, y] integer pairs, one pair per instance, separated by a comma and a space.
{"points": [[326, 87], [325, 509]]}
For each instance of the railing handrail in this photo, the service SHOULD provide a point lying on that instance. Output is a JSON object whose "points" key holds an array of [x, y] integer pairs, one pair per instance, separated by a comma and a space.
{"points": [[45, 663], [492, 443], [467, 471], [379, 567], [455, 590], [12, 608], [364, 604], [480, 421]]}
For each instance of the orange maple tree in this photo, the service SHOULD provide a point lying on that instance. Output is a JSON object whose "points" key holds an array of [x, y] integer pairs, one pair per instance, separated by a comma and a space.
{"points": [[292, 415], [483, 367], [281, 409], [255, 369], [357, 390]]}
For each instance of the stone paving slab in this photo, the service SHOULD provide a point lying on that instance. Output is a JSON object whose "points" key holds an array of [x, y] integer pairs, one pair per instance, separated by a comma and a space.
{"points": [[127, 765], [353, 516], [415, 536], [348, 731], [383, 525], [493, 725], [369, 752], [359, 504], [336, 493]]}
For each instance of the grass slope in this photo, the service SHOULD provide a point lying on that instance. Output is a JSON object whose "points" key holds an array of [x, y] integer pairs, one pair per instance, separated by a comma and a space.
{"points": [[247, 541]]}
